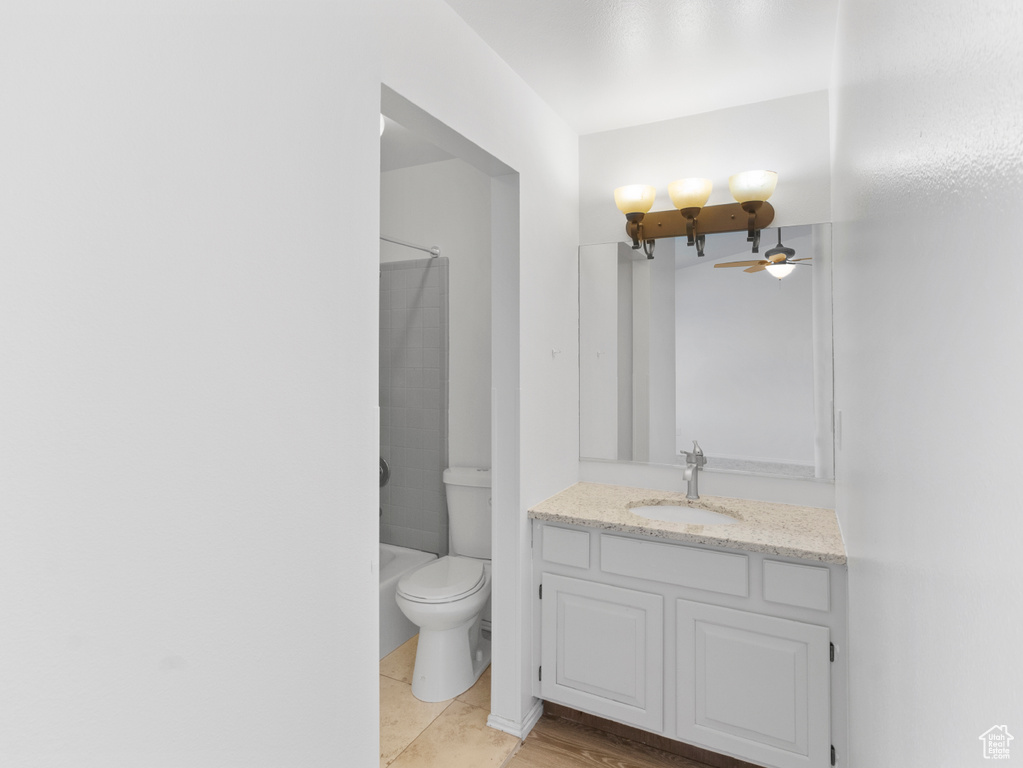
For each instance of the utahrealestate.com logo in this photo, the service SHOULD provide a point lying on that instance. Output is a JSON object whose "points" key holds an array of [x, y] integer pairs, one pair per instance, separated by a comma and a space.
{"points": [[996, 742]]}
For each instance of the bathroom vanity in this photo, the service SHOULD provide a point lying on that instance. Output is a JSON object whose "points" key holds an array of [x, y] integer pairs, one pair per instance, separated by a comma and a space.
{"points": [[727, 637]]}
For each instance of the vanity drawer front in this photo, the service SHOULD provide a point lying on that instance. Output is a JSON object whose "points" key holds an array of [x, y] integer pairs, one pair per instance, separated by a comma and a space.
{"points": [[804, 586], [684, 566], [565, 547]]}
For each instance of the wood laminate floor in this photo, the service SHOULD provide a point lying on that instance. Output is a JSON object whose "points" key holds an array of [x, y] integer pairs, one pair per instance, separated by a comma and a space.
{"points": [[558, 743]]}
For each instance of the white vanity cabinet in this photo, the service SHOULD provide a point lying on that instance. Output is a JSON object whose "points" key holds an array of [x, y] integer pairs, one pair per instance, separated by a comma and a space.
{"points": [[733, 651], [753, 685], [604, 651]]}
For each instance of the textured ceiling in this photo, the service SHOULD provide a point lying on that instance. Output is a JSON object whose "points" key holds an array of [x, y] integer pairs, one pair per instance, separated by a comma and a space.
{"points": [[604, 64]]}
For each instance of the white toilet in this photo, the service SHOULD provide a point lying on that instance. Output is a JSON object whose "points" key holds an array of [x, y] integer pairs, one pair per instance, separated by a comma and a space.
{"points": [[446, 598]]}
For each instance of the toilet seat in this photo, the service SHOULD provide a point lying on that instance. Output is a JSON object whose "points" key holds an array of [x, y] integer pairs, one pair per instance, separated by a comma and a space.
{"points": [[444, 580]]}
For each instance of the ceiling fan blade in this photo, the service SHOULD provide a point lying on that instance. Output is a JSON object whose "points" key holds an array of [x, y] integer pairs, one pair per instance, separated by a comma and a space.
{"points": [[793, 261], [741, 263], [759, 268]]}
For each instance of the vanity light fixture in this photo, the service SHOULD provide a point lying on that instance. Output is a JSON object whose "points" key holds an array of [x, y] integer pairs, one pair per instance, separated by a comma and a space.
{"points": [[751, 211], [751, 189], [634, 200], [689, 196]]}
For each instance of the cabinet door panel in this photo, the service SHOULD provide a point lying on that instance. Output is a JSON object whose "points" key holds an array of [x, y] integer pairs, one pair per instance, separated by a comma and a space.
{"points": [[752, 685], [602, 650]]}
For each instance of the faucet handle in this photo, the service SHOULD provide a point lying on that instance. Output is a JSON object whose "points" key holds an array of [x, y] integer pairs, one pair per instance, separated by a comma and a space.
{"points": [[695, 456]]}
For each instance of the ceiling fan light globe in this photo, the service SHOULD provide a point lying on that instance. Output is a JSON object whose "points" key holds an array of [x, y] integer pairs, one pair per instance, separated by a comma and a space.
{"points": [[780, 270]]}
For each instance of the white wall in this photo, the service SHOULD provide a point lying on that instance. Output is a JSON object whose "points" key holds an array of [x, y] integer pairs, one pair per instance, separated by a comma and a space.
{"points": [[448, 204], [430, 57], [188, 422], [190, 203], [466, 86], [787, 135], [928, 185]]}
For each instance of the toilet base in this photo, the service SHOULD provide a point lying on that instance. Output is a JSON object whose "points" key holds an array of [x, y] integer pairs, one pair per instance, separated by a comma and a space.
{"points": [[449, 661]]}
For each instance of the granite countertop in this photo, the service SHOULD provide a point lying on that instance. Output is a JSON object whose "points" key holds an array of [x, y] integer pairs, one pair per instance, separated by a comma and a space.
{"points": [[806, 533]]}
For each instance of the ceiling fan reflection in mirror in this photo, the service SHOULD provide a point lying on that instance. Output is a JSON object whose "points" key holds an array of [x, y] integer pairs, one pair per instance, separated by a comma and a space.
{"points": [[778, 261]]}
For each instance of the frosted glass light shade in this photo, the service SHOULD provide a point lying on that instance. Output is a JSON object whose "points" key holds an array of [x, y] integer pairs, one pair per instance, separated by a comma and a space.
{"points": [[690, 193], [780, 270], [635, 198], [752, 185]]}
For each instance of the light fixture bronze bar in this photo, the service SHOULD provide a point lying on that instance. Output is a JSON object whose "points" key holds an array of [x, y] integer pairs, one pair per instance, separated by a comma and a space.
{"points": [[712, 219]]}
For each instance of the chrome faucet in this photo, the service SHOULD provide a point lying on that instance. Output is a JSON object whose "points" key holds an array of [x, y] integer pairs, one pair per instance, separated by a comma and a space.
{"points": [[694, 463]]}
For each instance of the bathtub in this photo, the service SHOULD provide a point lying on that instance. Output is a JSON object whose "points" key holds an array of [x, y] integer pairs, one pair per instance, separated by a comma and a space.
{"points": [[395, 562]]}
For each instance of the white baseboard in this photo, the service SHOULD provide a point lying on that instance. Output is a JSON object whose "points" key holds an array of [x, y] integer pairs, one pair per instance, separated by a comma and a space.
{"points": [[519, 730]]}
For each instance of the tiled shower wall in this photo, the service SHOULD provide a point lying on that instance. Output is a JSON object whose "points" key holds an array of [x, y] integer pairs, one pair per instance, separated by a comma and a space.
{"points": [[414, 402]]}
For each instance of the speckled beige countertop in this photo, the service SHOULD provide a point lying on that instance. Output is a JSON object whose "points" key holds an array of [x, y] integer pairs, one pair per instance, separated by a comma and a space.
{"points": [[806, 533]]}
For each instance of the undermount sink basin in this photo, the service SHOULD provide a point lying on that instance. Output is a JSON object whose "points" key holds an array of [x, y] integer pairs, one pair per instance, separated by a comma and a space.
{"points": [[690, 515]]}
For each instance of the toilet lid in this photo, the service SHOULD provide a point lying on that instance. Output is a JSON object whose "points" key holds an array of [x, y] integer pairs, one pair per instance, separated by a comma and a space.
{"points": [[443, 580]]}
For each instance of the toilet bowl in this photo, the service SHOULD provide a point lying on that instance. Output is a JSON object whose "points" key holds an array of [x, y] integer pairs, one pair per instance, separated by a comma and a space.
{"points": [[446, 599]]}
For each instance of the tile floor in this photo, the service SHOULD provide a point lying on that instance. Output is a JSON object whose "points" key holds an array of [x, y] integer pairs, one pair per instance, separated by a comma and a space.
{"points": [[448, 734]]}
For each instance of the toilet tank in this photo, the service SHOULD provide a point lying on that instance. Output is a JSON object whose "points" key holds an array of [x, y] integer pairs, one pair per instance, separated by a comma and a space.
{"points": [[468, 495]]}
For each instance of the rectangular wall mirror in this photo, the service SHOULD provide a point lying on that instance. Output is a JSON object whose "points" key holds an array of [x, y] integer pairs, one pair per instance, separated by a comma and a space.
{"points": [[673, 350]]}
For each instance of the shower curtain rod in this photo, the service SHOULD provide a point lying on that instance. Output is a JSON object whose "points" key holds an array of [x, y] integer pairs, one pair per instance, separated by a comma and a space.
{"points": [[434, 251]]}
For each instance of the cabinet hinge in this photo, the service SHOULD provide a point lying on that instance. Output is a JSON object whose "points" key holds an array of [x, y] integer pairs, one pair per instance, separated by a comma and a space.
{"points": [[539, 676], [832, 656], [834, 757], [541, 591]]}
